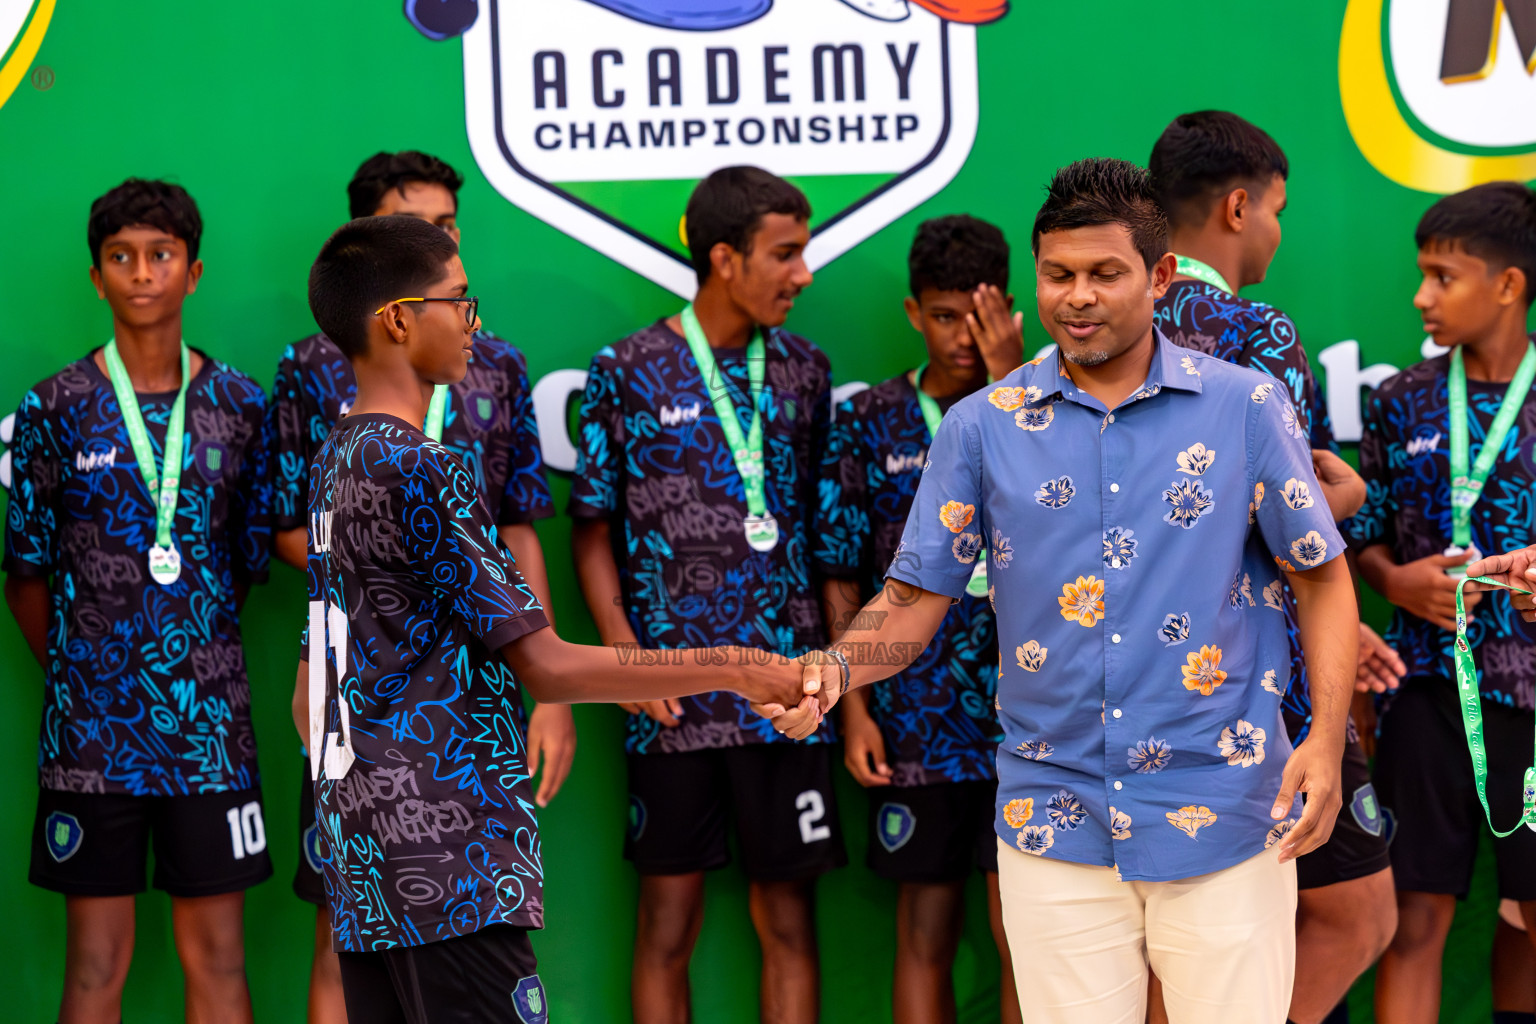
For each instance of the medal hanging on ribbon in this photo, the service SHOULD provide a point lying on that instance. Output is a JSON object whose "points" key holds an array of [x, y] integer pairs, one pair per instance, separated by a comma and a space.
{"points": [[976, 586], [762, 529], [1472, 716], [164, 486], [1467, 482], [437, 412], [1191, 267]]}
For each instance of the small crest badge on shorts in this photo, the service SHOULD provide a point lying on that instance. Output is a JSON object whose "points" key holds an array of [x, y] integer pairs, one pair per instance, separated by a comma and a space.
{"points": [[63, 834], [312, 848], [1367, 810], [895, 825], [528, 1000], [637, 818]]}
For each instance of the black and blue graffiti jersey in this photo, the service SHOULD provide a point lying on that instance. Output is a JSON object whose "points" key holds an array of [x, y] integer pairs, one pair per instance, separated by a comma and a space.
{"points": [[651, 458], [1257, 335], [1405, 459], [489, 425], [429, 831], [937, 716], [146, 691]]}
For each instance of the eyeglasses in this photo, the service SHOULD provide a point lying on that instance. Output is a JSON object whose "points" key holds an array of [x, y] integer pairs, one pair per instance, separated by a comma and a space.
{"points": [[469, 311]]}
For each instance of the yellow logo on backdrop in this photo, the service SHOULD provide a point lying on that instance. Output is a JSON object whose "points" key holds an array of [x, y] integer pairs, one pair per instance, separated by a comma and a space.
{"points": [[1440, 95], [23, 23]]}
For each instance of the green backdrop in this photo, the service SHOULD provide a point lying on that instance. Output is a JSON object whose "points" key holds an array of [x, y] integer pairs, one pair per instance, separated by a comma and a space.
{"points": [[263, 113]]}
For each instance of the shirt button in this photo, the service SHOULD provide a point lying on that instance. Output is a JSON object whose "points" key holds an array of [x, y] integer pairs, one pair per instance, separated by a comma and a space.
{"points": [[1115, 639], [1111, 417], [1114, 488], [1119, 784], [1118, 712]]}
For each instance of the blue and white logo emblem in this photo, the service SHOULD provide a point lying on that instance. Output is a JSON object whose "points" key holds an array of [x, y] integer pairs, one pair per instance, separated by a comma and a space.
{"points": [[63, 834], [528, 1000], [894, 826], [1367, 810]]}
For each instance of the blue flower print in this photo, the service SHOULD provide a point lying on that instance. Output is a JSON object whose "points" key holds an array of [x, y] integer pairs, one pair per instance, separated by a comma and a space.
{"points": [[1002, 550], [1119, 547], [1175, 629], [1309, 550], [1035, 750], [1035, 839], [966, 547], [1187, 501], [1056, 493], [1066, 811], [1149, 756], [1035, 419]]}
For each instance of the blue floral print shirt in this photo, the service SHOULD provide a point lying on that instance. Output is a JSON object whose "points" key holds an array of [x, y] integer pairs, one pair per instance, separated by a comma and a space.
{"points": [[1139, 619]]}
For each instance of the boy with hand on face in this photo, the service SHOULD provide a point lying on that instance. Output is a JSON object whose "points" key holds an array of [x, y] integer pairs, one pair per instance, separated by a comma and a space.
{"points": [[1447, 457], [421, 633], [925, 741], [694, 495], [486, 420], [138, 520]]}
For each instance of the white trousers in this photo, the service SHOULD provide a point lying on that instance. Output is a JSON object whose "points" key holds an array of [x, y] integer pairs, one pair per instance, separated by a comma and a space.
{"points": [[1223, 944]]}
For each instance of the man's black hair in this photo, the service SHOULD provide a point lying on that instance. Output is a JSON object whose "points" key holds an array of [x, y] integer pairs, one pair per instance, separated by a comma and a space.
{"points": [[1092, 192], [729, 205], [368, 263], [1495, 222], [1201, 157], [385, 171], [955, 254], [158, 204]]}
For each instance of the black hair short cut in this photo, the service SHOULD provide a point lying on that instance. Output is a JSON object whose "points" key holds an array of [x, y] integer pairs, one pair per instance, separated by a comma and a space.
{"points": [[158, 204], [369, 262], [1495, 222], [385, 171], [1202, 156], [955, 254], [729, 205], [1098, 191]]}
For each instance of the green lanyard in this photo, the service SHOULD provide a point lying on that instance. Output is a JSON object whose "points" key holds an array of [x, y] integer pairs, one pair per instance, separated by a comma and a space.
{"points": [[1472, 715], [976, 586], [1191, 267], [437, 412], [1467, 485], [164, 559], [747, 451]]}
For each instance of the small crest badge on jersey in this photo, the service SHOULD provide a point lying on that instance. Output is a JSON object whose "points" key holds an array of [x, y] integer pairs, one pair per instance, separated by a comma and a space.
{"points": [[63, 834], [528, 1000], [896, 823], [482, 409]]}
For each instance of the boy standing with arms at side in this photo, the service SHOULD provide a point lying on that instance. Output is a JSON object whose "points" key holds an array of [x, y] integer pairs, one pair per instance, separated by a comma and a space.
{"points": [[486, 420], [925, 741], [694, 494], [138, 520], [1447, 456]]}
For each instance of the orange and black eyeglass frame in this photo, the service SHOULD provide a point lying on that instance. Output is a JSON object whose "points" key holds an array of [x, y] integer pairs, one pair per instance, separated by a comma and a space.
{"points": [[469, 312]]}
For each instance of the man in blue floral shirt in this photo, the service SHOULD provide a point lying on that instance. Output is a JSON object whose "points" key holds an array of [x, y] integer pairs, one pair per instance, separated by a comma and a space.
{"points": [[1151, 494]]}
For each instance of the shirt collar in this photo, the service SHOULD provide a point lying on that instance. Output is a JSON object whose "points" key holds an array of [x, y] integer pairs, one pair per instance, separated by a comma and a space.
{"points": [[1172, 366]]}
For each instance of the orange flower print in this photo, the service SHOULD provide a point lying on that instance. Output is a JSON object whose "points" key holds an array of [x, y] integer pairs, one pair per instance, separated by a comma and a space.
{"points": [[1018, 812], [1006, 398], [1191, 819], [1202, 670], [956, 516], [1283, 564], [1083, 602]]}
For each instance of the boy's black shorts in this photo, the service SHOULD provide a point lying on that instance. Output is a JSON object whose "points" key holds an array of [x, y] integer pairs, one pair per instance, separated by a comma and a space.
{"points": [[308, 881], [1424, 775], [935, 833], [488, 975], [781, 796], [1358, 845], [97, 844]]}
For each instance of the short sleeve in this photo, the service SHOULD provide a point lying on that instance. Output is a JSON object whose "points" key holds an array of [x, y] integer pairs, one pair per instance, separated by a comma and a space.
{"points": [[287, 415], [1287, 502], [251, 505], [526, 496], [841, 526], [599, 442], [451, 541], [942, 538], [1275, 348], [1373, 523], [32, 518]]}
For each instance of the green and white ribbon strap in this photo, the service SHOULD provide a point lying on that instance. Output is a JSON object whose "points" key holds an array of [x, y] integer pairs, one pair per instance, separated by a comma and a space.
{"points": [[1472, 715]]}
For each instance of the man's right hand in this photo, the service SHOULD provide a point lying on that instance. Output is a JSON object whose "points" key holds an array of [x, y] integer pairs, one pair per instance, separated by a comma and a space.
{"points": [[1422, 588], [863, 744], [1512, 569], [668, 712]]}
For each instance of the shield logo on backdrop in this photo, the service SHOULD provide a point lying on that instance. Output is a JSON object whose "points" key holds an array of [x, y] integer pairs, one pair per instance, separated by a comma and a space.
{"points": [[1440, 95], [62, 833], [23, 23], [599, 116], [528, 1001], [896, 823]]}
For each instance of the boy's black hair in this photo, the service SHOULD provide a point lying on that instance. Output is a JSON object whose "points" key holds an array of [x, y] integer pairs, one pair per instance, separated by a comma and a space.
{"points": [[1495, 222], [384, 171], [729, 205], [955, 254], [1098, 191], [1205, 155], [158, 204], [368, 263]]}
